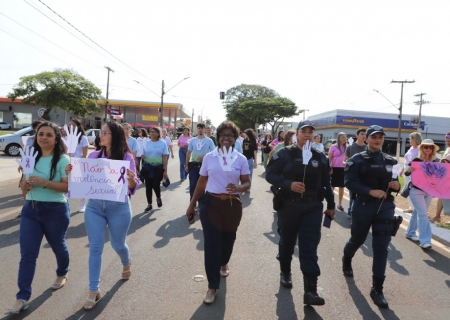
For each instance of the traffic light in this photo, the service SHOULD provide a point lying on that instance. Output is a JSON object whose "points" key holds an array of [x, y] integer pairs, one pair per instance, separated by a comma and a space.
{"points": [[222, 95]]}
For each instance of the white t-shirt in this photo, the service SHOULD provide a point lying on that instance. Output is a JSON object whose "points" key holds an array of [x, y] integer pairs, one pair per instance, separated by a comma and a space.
{"points": [[167, 141], [84, 142], [217, 177]]}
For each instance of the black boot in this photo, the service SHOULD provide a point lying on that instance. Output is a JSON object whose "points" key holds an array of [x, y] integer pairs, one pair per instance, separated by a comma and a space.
{"points": [[376, 293], [310, 297], [347, 266], [285, 275]]}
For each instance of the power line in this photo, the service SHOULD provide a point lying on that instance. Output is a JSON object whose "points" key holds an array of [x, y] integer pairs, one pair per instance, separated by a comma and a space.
{"points": [[95, 42], [49, 40]]}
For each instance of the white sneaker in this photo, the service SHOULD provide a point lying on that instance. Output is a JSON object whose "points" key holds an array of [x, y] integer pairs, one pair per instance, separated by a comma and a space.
{"points": [[425, 245], [413, 238], [82, 209]]}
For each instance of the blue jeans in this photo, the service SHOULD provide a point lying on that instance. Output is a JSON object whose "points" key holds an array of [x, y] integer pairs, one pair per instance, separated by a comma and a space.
{"points": [[39, 219], [250, 166], [194, 175], [182, 154], [98, 215], [419, 218]]}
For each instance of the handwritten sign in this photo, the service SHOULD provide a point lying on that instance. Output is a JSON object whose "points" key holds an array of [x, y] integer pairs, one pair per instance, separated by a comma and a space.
{"points": [[432, 177], [102, 179]]}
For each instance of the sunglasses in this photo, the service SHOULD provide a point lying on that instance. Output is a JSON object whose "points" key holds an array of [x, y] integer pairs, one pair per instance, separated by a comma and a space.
{"points": [[428, 146]]}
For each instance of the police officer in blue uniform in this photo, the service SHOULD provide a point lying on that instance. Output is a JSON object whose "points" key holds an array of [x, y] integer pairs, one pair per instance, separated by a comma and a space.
{"points": [[300, 191], [368, 175]]}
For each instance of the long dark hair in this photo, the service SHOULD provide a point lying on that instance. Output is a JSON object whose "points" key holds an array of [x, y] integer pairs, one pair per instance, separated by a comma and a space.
{"points": [[119, 146], [251, 135], [227, 125], [58, 150], [280, 138], [80, 128]]}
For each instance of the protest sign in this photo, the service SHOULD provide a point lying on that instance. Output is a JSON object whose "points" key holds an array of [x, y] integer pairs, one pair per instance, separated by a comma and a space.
{"points": [[432, 177], [101, 178]]}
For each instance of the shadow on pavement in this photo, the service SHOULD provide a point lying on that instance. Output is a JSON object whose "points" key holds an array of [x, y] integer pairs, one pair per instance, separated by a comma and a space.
{"points": [[10, 238], [178, 228], [285, 304], [33, 305], [215, 310], [441, 262], [101, 305], [14, 200]]}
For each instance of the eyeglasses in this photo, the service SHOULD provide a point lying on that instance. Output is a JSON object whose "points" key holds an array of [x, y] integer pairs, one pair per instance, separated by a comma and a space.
{"points": [[104, 133], [425, 146], [229, 136]]}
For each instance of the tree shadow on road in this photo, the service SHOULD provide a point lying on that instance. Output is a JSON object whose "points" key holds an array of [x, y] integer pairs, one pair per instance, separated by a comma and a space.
{"points": [[101, 305], [177, 228], [364, 308], [439, 262], [215, 310], [33, 305]]}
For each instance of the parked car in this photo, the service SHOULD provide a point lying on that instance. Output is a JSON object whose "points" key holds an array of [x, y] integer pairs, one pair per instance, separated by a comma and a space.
{"points": [[4, 125], [91, 134], [12, 143], [327, 145]]}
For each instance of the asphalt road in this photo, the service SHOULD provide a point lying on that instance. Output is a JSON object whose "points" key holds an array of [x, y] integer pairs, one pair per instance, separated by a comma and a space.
{"points": [[167, 252]]}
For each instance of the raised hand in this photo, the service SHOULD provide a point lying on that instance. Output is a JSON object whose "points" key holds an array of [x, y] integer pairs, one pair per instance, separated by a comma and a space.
{"points": [[72, 138], [28, 159], [306, 154]]}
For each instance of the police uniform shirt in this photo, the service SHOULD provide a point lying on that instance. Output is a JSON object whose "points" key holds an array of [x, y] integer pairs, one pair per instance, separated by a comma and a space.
{"points": [[367, 171], [280, 171]]}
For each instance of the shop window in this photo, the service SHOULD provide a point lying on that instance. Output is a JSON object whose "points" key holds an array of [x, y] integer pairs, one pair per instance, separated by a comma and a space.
{"points": [[22, 120], [1, 116]]}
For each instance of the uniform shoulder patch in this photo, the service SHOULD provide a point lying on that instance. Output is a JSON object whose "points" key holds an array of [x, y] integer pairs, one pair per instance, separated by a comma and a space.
{"points": [[348, 164]]}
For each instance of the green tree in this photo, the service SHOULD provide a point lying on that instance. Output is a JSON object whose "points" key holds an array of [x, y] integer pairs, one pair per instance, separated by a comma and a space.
{"points": [[208, 122], [61, 88], [272, 111], [244, 93]]}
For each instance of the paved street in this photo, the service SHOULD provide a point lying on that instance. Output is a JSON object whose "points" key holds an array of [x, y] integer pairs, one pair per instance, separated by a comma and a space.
{"points": [[167, 252]]}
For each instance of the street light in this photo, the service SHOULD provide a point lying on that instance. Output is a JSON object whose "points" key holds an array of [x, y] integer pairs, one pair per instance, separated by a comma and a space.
{"points": [[161, 123], [304, 111]]}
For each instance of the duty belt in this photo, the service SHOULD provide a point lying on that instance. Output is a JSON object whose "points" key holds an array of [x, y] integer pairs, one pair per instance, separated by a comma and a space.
{"points": [[389, 198], [299, 198]]}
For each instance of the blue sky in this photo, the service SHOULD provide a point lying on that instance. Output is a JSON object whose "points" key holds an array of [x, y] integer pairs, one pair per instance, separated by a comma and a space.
{"points": [[323, 55]]}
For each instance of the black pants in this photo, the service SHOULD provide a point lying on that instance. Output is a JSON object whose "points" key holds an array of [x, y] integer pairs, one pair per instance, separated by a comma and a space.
{"points": [[220, 221], [302, 221], [152, 184]]}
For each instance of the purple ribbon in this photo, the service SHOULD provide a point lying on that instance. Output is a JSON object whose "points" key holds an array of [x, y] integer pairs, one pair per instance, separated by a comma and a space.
{"points": [[225, 161], [28, 163], [122, 172]]}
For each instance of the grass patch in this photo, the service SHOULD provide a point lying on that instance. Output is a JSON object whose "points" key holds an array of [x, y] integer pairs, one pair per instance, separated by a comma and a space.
{"points": [[443, 225], [5, 132], [401, 180]]}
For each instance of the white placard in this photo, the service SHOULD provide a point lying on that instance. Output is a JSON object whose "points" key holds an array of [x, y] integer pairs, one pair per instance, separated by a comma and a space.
{"points": [[28, 159], [306, 154], [101, 178], [71, 138]]}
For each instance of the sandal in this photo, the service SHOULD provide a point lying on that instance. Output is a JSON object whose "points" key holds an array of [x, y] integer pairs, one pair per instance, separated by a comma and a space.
{"points": [[15, 310], [91, 303], [436, 219], [58, 285], [408, 211], [126, 272]]}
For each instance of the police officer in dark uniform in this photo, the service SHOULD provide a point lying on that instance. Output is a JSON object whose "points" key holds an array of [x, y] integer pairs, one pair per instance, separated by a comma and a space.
{"points": [[368, 175], [301, 189]]}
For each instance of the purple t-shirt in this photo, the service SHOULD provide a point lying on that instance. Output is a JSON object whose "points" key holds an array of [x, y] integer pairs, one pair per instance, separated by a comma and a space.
{"points": [[129, 157], [217, 177], [338, 156], [183, 141]]}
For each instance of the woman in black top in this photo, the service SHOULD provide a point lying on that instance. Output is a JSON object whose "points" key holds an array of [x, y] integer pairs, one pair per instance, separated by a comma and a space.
{"points": [[250, 149], [266, 149]]}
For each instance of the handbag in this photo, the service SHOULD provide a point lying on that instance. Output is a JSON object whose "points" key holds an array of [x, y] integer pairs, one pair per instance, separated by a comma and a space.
{"points": [[405, 190], [166, 182]]}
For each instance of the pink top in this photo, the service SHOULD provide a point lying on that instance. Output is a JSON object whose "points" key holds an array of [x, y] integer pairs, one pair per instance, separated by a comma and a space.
{"points": [[338, 156], [129, 157], [183, 141], [217, 177]]}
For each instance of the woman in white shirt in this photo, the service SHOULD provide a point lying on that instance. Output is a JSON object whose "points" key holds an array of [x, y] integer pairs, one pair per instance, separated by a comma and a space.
{"points": [[141, 140]]}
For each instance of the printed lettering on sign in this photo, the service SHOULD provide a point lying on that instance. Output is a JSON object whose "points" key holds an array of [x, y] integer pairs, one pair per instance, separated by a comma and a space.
{"points": [[102, 179]]}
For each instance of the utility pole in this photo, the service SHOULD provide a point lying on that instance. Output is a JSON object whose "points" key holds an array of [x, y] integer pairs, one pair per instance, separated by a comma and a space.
{"points": [[420, 103], [399, 135], [107, 93], [161, 110], [192, 122]]}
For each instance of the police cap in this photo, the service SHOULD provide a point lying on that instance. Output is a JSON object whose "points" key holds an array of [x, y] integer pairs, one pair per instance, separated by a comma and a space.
{"points": [[305, 123], [374, 129]]}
